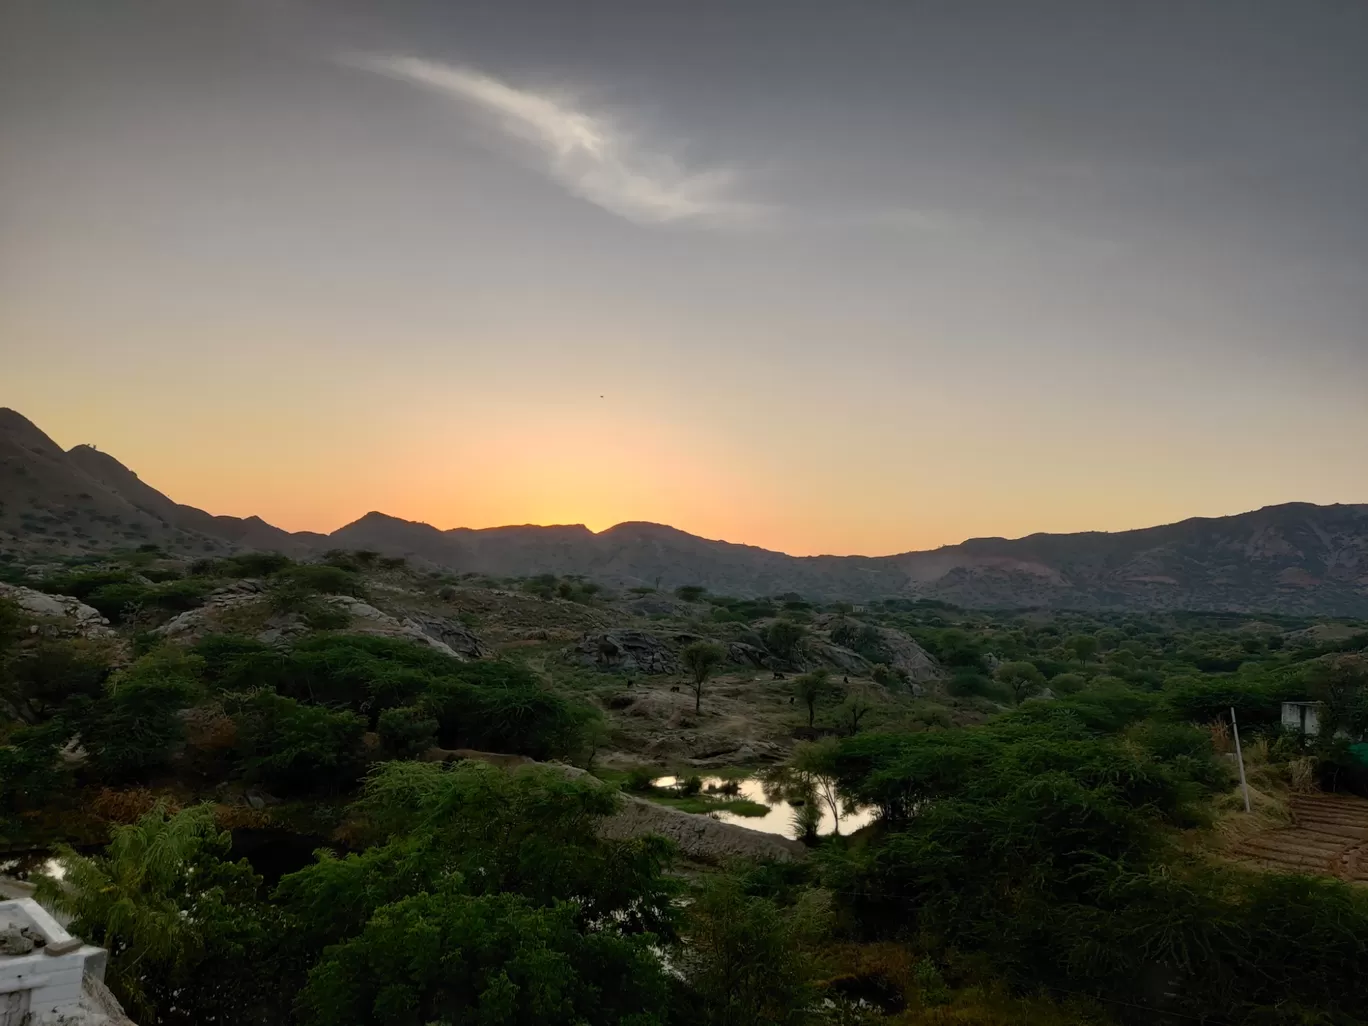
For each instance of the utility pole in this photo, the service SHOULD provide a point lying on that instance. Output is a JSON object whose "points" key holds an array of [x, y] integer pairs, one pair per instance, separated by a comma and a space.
{"points": [[1244, 785]]}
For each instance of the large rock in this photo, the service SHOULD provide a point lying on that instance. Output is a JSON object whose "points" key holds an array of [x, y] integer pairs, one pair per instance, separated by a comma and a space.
{"points": [[85, 620], [627, 650], [422, 628], [452, 633], [906, 655], [698, 837], [446, 636], [193, 624]]}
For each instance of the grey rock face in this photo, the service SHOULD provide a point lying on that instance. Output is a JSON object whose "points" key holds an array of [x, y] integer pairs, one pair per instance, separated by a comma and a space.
{"points": [[628, 650], [87, 621]]}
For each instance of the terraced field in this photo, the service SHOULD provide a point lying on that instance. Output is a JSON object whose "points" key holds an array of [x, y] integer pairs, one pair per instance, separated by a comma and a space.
{"points": [[1329, 838]]}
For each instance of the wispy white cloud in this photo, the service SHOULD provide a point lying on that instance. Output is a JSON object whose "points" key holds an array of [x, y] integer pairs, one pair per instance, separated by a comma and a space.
{"points": [[588, 153]]}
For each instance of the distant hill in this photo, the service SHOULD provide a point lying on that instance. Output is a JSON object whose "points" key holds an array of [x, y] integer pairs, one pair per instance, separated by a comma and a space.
{"points": [[1295, 558]]}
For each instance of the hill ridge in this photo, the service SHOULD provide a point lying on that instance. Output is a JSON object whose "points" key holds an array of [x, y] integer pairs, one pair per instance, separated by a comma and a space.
{"points": [[1294, 557]]}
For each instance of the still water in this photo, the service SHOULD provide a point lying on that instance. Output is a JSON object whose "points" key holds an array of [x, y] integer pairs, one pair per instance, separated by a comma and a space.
{"points": [[779, 800]]}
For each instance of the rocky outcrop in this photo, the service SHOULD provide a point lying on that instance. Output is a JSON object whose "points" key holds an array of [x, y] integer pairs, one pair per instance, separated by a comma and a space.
{"points": [[819, 654], [449, 637], [698, 837], [747, 655], [455, 635], [84, 621], [627, 651], [906, 655]]}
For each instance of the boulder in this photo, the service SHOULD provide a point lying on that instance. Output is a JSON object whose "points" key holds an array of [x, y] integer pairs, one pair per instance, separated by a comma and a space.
{"points": [[86, 621], [423, 628], [451, 633], [658, 605], [627, 650], [747, 655], [906, 655]]}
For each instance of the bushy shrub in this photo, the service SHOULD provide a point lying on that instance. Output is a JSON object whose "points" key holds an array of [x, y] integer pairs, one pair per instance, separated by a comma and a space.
{"points": [[406, 731], [297, 748]]}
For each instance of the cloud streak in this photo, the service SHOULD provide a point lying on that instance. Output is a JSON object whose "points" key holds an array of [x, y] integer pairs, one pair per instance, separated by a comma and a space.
{"points": [[587, 153]]}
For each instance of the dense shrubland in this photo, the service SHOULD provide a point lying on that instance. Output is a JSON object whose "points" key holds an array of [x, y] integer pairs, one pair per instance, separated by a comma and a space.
{"points": [[1046, 849]]}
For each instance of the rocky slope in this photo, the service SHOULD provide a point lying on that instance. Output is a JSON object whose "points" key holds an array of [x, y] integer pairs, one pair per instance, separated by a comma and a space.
{"points": [[1295, 558]]}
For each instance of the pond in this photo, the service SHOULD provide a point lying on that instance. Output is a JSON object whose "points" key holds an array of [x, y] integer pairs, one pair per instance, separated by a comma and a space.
{"points": [[786, 802]]}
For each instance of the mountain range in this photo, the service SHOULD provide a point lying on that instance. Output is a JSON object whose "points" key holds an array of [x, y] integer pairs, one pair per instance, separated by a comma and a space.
{"points": [[1293, 558]]}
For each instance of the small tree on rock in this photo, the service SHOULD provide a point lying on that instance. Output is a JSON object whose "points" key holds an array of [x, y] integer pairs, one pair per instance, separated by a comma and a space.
{"points": [[783, 637], [810, 689], [701, 660]]}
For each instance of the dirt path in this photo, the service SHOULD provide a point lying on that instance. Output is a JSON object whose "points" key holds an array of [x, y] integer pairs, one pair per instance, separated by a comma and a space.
{"points": [[1329, 838]]}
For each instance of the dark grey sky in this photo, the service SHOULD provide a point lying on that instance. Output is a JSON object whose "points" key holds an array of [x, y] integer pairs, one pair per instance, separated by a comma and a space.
{"points": [[850, 276]]}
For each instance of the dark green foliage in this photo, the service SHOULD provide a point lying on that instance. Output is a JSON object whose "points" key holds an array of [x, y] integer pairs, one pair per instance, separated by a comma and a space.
{"points": [[749, 961], [488, 705], [318, 579], [120, 600], [1341, 685], [1038, 842], [406, 732], [190, 942], [640, 778], [517, 716], [783, 638], [1022, 679], [294, 748], [37, 680], [118, 596], [1257, 701], [255, 564], [30, 771], [235, 663], [691, 592], [135, 727], [452, 957], [83, 584], [487, 897]]}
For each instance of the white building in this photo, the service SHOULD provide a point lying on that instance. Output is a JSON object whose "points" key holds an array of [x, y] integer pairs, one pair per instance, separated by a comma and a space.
{"points": [[1303, 717], [43, 969]]}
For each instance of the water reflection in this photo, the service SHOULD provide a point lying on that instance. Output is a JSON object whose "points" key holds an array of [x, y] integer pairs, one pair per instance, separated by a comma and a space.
{"points": [[797, 804]]}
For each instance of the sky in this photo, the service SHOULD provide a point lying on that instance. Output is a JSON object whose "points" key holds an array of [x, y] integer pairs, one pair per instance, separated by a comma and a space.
{"points": [[832, 277]]}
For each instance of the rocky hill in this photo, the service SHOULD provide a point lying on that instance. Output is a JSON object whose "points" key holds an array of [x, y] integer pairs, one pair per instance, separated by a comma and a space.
{"points": [[1295, 558]]}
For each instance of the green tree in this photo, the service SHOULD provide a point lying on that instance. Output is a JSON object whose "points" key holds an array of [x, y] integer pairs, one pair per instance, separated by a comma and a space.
{"points": [[183, 927], [1083, 647], [749, 961], [1341, 684], [30, 771], [1022, 679], [700, 661], [297, 748], [136, 726], [783, 637], [853, 710], [406, 732], [455, 957], [810, 688], [1068, 683], [38, 680]]}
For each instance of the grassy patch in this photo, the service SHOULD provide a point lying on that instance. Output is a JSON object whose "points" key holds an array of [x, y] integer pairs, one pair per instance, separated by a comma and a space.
{"points": [[703, 804]]}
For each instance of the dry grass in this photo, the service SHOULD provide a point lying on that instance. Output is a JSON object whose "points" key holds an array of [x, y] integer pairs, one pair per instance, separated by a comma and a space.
{"points": [[978, 1006], [128, 805], [241, 817], [894, 965], [1270, 787]]}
